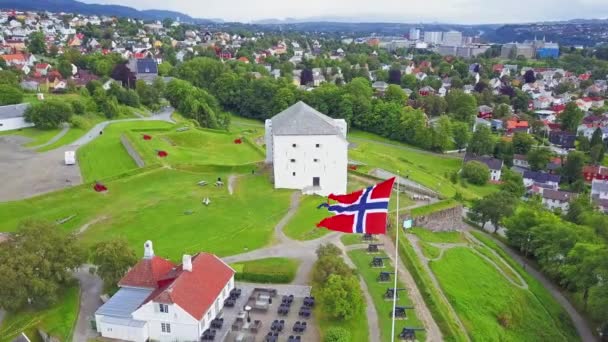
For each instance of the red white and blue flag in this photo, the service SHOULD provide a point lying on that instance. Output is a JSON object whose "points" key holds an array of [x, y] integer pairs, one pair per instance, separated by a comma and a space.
{"points": [[361, 212]]}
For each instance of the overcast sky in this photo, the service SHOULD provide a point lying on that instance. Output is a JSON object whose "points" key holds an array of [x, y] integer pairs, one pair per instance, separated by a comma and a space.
{"points": [[449, 11]]}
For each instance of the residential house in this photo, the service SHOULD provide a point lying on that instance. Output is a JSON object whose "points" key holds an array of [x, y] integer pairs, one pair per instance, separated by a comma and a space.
{"points": [[517, 125], [484, 112], [42, 68], [541, 178], [562, 139], [521, 160], [144, 69], [557, 199], [308, 150], [380, 87], [599, 194], [426, 91], [12, 117], [481, 122], [494, 164], [593, 172], [161, 301]]}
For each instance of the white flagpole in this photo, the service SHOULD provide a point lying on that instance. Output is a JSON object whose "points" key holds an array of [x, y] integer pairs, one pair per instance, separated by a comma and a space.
{"points": [[396, 259]]}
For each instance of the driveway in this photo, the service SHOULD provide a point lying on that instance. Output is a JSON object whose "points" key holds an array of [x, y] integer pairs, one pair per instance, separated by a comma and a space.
{"points": [[27, 173], [90, 290]]}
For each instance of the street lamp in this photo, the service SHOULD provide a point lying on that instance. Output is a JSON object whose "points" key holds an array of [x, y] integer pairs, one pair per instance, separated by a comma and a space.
{"points": [[247, 309]]}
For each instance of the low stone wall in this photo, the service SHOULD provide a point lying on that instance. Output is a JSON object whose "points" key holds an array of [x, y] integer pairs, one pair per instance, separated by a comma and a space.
{"points": [[131, 151], [442, 220]]}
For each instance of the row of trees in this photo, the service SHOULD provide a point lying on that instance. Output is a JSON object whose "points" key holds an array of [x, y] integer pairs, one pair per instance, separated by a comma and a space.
{"points": [[238, 90]]}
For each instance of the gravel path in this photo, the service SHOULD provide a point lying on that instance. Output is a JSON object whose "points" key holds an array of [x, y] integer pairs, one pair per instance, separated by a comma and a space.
{"points": [[231, 183], [90, 290]]}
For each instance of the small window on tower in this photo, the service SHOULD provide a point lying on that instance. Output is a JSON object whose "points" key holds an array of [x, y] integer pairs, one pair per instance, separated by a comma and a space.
{"points": [[293, 145], [293, 173], [316, 160], [292, 160], [318, 145]]}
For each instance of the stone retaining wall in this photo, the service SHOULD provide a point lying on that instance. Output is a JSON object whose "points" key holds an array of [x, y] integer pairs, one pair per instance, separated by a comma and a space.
{"points": [[131, 151], [443, 220]]}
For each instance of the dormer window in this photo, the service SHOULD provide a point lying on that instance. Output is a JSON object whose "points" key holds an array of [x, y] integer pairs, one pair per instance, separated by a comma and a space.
{"points": [[163, 308]]}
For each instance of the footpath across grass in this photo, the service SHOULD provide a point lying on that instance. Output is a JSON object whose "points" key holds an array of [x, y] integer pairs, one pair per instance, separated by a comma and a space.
{"points": [[383, 307], [269, 270], [58, 320]]}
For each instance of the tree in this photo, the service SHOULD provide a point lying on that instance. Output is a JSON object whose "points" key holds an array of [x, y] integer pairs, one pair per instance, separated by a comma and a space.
{"points": [[597, 137], [36, 264], [522, 142], [512, 182], [36, 43], [442, 134], [476, 172], [494, 208], [337, 334], [502, 111], [3, 64], [461, 134], [164, 68], [48, 114], [572, 170], [434, 105], [529, 76], [597, 153], [112, 258], [123, 74], [571, 117], [462, 106], [341, 296], [482, 142], [408, 81], [306, 77], [10, 95], [65, 68], [394, 76], [582, 267], [538, 158], [394, 93]]}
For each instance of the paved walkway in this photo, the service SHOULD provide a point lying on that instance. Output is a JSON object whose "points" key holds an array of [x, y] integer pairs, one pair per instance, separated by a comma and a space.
{"points": [[90, 290]]}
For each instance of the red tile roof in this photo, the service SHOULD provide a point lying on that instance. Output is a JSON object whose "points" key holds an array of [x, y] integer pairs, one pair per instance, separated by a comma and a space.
{"points": [[14, 57], [194, 291], [147, 273], [511, 124]]}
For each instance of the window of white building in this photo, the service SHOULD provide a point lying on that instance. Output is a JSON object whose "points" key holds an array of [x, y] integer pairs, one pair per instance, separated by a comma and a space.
{"points": [[165, 327], [164, 308]]}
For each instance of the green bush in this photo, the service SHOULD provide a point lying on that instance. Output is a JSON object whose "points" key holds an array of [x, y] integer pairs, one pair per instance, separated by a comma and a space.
{"points": [[476, 172], [337, 334], [10, 95], [48, 114], [78, 107], [269, 270], [79, 122]]}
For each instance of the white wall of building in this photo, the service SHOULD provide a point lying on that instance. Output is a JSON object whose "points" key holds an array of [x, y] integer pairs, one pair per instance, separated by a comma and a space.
{"points": [[295, 167], [121, 332], [552, 204], [14, 123]]}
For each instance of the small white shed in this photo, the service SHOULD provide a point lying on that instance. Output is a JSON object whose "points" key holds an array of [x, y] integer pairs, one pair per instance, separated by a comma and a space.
{"points": [[70, 158]]}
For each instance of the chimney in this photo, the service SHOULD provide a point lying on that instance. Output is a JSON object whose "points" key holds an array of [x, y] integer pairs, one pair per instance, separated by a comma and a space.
{"points": [[187, 263], [148, 250]]}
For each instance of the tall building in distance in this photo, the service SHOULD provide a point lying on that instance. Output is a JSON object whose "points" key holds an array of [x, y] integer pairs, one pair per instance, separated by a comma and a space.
{"points": [[433, 37], [452, 38], [414, 33]]}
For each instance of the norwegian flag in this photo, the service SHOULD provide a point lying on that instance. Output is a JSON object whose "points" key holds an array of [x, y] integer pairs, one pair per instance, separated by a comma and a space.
{"points": [[361, 212]]}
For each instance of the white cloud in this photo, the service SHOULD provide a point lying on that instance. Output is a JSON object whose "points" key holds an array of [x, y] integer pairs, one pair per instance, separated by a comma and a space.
{"points": [[452, 11]]}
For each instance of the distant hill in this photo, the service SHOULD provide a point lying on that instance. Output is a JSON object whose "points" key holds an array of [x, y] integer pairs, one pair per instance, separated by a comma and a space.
{"points": [[72, 6]]}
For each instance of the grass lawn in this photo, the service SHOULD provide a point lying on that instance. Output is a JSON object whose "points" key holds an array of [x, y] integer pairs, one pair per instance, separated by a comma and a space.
{"points": [[105, 156], [426, 235], [356, 326], [57, 320], [38, 136], [361, 259], [153, 205], [429, 250], [302, 225], [490, 307], [194, 146], [430, 170], [351, 239], [542, 294], [74, 133], [439, 308], [431, 208], [269, 270]]}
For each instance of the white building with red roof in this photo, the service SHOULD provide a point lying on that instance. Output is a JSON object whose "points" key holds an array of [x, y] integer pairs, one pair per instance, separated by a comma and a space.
{"points": [[161, 301]]}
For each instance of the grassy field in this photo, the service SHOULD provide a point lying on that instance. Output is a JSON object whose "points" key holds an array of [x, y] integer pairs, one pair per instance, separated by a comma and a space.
{"points": [[428, 169], [269, 270], [74, 133], [302, 225], [361, 259], [58, 320], [105, 156], [160, 203], [194, 146], [429, 250], [439, 237], [37, 136], [431, 208], [491, 308], [351, 239]]}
